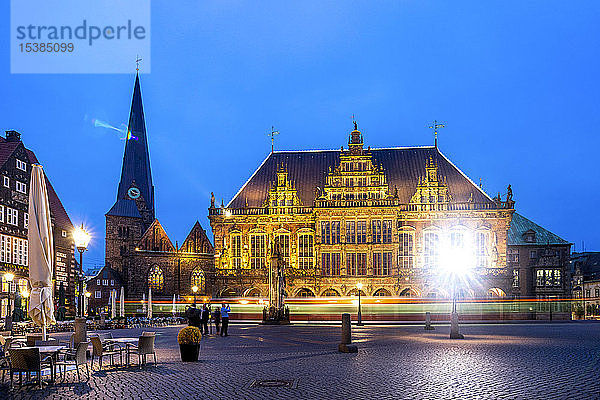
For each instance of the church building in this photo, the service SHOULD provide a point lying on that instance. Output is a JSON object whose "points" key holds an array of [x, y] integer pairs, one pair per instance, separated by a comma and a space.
{"points": [[137, 245]]}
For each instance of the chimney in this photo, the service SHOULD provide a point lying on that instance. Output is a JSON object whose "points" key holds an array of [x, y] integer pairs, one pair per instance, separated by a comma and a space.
{"points": [[13, 136]]}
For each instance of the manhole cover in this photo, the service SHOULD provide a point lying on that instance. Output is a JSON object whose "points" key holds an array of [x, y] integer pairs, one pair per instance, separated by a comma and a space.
{"points": [[274, 383]]}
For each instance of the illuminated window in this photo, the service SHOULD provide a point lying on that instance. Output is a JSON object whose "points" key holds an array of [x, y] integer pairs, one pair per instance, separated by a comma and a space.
{"points": [[361, 232], [98, 294], [382, 263], [331, 263], [156, 279], [306, 258], [21, 187], [432, 250], [387, 231], [258, 251], [376, 231], [548, 277], [515, 282], [513, 255], [356, 264], [481, 249], [197, 279], [406, 253], [330, 232], [1, 213], [236, 251], [350, 232], [282, 243]]}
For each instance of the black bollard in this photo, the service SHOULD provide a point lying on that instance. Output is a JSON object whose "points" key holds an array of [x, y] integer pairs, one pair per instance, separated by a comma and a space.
{"points": [[345, 346]]}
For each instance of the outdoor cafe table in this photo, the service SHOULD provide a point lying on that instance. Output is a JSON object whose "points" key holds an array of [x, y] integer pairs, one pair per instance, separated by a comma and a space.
{"points": [[51, 350], [127, 341]]}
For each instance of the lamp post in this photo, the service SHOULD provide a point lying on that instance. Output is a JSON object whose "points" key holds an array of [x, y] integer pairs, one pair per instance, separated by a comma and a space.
{"points": [[87, 302], [195, 290], [82, 239], [25, 294], [9, 276], [359, 286]]}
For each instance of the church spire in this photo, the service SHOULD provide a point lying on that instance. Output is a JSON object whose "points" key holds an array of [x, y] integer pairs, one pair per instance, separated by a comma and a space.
{"points": [[136, 159]]}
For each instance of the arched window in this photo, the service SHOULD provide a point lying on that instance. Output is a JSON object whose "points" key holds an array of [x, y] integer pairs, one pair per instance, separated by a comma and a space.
{"points": [[331, 293], [156, 279], [382, 292], [305, 293], [198, 279]]}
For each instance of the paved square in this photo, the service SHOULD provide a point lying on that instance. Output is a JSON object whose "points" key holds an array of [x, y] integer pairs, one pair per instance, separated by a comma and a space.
{"points": [[504, 361]]}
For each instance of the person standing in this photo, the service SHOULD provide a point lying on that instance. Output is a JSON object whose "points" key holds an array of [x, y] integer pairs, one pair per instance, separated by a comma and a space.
{"points": [[217, 318], [193, 316], [204, 319], [225, 317]]}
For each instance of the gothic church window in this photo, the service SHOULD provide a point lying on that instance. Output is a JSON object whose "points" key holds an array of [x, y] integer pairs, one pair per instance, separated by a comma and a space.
{"points": [[282, 243], [156, 279], [198, 279]]}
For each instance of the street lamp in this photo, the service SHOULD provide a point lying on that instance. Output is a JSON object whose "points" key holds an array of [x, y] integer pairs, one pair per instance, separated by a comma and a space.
{"points": [[9, 276], [195, 290], [25, 294], [359, 286], [82, 239], [87, 302]]}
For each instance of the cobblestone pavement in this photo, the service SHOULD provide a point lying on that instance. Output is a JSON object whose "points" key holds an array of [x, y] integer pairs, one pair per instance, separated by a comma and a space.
{"points": [[512, 361]]}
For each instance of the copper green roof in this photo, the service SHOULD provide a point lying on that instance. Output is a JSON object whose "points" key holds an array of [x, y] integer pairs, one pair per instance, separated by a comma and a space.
{"points": [[519, 225]]}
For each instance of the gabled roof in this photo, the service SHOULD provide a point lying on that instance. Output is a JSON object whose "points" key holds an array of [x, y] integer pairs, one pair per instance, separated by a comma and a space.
{"points": [[155, 239], [521, 225], [197, 241], [57, 210], [403, 167], [136, 158], [124, 208]]}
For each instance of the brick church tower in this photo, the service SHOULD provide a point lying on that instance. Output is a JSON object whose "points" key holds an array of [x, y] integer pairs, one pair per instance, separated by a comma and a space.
{"points": [[133, 211]]}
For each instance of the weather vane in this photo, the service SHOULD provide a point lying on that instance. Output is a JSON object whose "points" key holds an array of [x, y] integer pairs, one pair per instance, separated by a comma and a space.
{"points": [[137, 63], [273, 133], [435, 128]]}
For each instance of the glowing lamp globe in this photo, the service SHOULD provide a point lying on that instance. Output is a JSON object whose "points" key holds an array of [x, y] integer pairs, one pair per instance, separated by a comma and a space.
{"points": [[81, 238]]}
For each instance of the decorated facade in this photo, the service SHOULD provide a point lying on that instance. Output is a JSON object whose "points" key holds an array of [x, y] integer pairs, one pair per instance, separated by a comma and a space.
{"points": [[390, 219]]}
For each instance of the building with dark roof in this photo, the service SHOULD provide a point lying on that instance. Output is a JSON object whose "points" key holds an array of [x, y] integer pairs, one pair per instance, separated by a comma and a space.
{"points": [[585, 267], [392, 219], [15, 171], [137, 246], [539, 263]]}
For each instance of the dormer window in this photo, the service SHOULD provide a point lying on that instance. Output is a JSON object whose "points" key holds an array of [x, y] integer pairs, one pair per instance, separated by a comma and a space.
{"points": [[529, 236]]}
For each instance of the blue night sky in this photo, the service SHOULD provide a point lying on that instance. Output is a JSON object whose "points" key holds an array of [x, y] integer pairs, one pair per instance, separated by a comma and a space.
{"points": [[516, 83]]}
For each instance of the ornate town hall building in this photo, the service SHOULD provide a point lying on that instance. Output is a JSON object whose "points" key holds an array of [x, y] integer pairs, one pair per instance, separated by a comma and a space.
{"points": [[387, 218], [137, 246]]}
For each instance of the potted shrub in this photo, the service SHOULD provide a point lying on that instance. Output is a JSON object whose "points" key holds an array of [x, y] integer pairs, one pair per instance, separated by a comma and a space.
{"points": [[189, 343]]}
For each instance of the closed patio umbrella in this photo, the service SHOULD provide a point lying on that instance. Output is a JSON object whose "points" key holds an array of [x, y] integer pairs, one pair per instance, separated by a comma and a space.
{"points": [[113, 304], [41, 251], [174, 308], [122, 303], [149, 314]]}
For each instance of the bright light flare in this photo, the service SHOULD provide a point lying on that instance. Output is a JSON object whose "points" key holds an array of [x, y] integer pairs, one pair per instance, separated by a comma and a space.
{"points": [[81, 237]]}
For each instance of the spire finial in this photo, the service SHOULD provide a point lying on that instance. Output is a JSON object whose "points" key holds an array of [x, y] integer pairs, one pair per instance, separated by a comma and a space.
{"points": [[355, 123], [272, 134], [435, 128], [137, 63]]}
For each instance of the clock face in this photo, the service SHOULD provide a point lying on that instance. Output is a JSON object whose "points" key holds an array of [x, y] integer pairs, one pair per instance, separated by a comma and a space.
{"points": [[133, 193]]}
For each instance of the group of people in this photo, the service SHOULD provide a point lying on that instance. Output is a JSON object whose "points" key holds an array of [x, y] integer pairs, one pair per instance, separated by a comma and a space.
{"points": [[200, 318]]}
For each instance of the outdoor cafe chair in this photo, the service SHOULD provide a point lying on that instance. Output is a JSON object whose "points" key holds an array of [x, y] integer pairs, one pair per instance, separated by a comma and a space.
{"points": [[79, 359], [100, 351], [145, 347], [29, 360]]}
